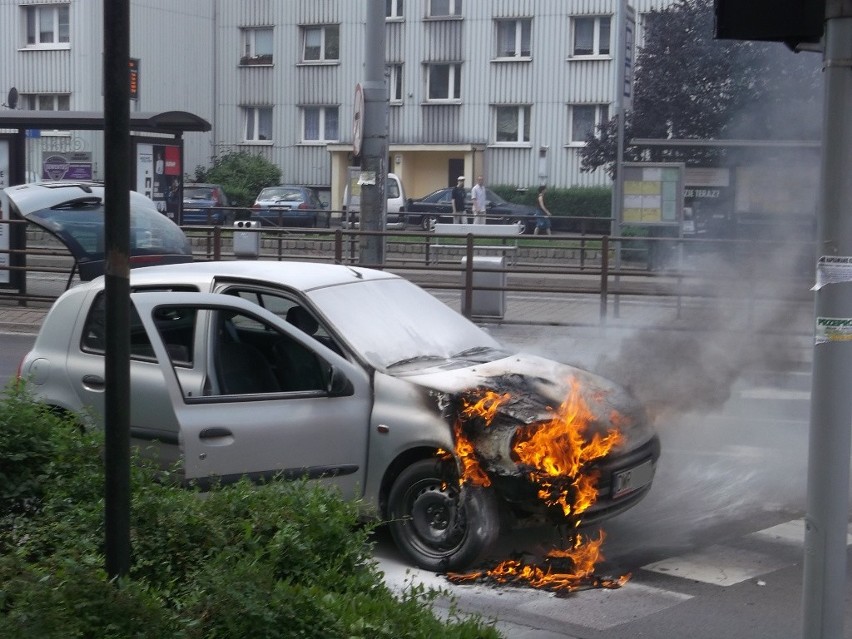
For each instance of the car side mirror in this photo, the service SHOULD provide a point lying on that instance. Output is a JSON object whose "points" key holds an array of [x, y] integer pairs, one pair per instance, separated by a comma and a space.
{"points": [[338, 384]]}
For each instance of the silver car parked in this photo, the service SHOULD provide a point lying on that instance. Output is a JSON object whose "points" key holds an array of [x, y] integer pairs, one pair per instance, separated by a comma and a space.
{"points": [[360, 379]]}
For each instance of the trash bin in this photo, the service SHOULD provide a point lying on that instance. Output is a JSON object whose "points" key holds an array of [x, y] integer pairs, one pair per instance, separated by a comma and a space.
{"points": [[490, 272], [246, 239]]}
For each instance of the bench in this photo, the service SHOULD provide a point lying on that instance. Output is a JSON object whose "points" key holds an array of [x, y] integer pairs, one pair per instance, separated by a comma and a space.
{"points": [[478, 230]]}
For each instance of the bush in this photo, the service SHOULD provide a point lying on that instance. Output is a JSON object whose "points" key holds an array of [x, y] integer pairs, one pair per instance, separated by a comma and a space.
{"points": [[284, 559], [565, 204], [243, 175]]}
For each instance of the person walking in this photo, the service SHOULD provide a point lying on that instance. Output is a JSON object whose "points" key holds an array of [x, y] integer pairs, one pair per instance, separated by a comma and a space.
{"points": [[542, 222], [458, 197], [478, 200]]}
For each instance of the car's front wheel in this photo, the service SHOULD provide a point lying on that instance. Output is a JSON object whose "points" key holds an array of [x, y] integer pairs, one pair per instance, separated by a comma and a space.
{"points": [[437, 524]]}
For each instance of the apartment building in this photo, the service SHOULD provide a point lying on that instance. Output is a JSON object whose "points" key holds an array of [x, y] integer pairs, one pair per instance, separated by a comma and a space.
{"points": [[504, 88]]}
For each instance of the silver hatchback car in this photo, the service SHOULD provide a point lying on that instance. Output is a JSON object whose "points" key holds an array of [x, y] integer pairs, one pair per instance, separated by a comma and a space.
{"points": [[360, 379]]}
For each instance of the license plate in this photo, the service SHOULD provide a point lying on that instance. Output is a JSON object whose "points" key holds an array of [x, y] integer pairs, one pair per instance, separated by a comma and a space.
{"points": [[630, 479]]}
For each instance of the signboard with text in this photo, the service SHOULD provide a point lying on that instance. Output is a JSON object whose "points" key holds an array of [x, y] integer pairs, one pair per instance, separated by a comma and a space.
{"points": [[5, 228], [652, 194]]}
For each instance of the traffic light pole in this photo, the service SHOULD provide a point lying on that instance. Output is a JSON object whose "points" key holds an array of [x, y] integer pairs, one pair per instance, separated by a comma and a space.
{"points": [[827, 519]]}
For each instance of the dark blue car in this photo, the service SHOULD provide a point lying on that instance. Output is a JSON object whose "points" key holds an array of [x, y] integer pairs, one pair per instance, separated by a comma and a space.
{"points": [[208, 204]]}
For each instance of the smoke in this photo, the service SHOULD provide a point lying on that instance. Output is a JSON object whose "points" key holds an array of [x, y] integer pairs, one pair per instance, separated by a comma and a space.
{"points": [[691, 363]]}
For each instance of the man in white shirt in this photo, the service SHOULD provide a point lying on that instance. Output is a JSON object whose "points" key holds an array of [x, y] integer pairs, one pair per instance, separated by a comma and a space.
{"points": [[477, 196]]}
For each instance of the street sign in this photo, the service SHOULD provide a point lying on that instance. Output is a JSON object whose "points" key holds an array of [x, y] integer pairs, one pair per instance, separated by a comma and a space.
{"points": [[358, 120]]}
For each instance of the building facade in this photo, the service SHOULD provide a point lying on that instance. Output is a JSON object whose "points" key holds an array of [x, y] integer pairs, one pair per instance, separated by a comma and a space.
{"points": [[504, 88]]}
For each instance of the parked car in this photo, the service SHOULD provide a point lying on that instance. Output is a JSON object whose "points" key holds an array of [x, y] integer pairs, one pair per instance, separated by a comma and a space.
{"points": [[438, 207], [395, 194], [74, 212], [363, 380], [290, 205], [208, 204]]}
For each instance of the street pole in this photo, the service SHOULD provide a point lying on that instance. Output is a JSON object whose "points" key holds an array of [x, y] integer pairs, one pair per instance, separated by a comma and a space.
{"points": [[375, 131], [117, 286], [827, 519]]}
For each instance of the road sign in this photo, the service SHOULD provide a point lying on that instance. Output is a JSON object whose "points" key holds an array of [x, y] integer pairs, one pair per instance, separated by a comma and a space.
{"points": [[358, 120]]}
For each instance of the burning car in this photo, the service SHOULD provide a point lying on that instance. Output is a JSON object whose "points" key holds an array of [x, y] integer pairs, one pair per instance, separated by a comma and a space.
{"points": [[359, 379]]}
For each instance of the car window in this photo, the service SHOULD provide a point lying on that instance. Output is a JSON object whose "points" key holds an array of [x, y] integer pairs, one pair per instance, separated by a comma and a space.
{"points": [[197, 194], [392, 189], [177, 333], [251, 357], [283, 306]]}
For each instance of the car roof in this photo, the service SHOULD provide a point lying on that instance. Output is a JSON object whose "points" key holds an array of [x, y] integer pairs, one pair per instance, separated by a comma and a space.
{"points": [[304, 276], [44, 195]]}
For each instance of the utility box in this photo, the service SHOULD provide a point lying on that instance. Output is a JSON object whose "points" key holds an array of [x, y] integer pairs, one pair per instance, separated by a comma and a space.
{"points": [[246, 239], [490, 272]]}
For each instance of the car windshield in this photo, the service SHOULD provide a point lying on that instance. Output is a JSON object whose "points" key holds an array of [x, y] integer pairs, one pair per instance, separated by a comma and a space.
{"points": [[280, 194], [390, 321], [194, 193]]}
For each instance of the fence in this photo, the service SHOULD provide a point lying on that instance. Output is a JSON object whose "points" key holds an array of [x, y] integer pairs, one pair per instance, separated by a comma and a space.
{"points": [[611, 268]]}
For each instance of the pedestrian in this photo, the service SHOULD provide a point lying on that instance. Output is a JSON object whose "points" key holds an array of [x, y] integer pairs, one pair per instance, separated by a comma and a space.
{"points": [[458, 196], [542, 221], [478, 201]]}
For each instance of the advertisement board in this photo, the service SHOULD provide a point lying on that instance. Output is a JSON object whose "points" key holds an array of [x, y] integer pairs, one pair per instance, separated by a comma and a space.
{"points": [[158, 176], [653, 194]]}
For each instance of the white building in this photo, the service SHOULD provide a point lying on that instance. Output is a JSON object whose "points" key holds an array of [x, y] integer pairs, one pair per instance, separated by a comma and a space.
{"points": [[504, 88]]}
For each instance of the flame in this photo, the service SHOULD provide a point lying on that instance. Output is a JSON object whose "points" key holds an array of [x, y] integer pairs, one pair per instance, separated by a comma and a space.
{"points": [[564, 571], [555, 455]]}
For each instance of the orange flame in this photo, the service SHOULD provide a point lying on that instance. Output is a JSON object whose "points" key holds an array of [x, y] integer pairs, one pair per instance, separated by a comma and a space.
{"points": [[564, 571], [555, 455]]}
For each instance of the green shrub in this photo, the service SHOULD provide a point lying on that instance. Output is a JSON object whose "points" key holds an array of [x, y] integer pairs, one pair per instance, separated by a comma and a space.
{"points": [[564, 204], [284, 559]]}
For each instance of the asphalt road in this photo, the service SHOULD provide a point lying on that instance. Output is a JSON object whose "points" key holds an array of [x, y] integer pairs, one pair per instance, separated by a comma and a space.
{"points": [[716, 548]]}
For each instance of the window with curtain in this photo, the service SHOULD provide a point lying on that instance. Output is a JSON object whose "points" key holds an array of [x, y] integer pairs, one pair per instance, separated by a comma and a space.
{"points": [[591, 35], [584, 119], [444, 8], [258, 122], [321, 43], [513, 38], [47, 24], [320, 124], [513, 124]]}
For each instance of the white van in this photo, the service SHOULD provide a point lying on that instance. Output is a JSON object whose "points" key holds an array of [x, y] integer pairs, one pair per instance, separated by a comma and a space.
{"points": [[352, 201]]}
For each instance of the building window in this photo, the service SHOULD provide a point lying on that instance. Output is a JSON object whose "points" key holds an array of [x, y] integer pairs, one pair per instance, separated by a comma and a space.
{"points": [[584, 119], [444, 8], [591, 36], [46, 102], [258, 124], [257, 46], [513, 125], [444, 82], [513, 38], [320, 124], [395, 83], [321, 44], [47, 24], [393, 8]]}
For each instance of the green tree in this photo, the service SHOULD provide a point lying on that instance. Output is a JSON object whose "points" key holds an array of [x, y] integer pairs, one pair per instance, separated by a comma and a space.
{"points": [[690, 85], [241, 174]]}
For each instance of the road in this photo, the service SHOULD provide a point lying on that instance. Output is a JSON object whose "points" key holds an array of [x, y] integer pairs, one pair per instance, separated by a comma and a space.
{"points": [[715, 550]]}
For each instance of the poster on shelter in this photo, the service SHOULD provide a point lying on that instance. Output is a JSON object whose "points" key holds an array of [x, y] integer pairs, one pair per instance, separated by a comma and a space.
{"points": [[5, 214], [158, 171], [76, 165]]}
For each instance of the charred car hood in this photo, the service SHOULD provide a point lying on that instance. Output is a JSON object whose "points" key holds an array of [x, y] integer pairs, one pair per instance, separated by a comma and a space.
{"points": [[534, 389]]}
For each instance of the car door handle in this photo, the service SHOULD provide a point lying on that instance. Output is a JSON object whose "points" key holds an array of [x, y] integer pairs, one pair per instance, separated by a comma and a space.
{"points": [[94, 382], [215, 432]]}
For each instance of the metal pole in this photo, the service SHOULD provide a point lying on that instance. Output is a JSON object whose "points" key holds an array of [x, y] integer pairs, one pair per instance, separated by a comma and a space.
{"points": [[374, 146], [117, 150], [617, 187], [827, 518]]}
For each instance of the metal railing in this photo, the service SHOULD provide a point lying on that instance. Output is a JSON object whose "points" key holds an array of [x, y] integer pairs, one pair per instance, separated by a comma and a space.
{"points": [[612, 268]]}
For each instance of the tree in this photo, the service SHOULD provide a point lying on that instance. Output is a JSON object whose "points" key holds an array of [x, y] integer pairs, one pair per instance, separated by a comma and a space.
{"points": [[241, 174], [690, 85]]}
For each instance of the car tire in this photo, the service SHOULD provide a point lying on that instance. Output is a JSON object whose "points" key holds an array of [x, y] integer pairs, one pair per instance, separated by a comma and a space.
{"points": [[437, 524]]}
